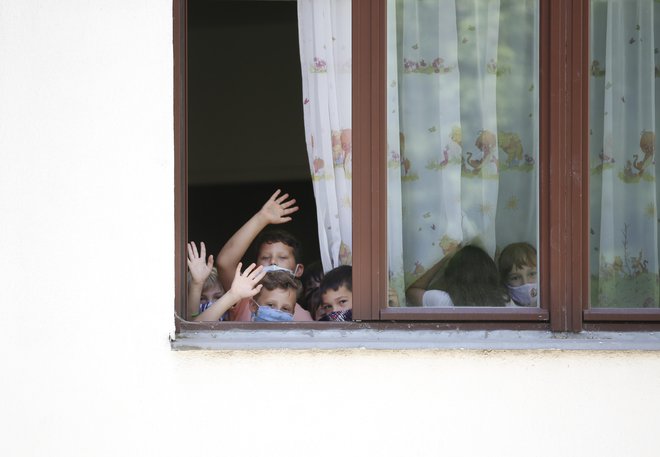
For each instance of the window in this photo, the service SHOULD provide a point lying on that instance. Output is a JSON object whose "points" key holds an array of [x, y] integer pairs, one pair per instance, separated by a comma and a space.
{"points": [[568, 107]]}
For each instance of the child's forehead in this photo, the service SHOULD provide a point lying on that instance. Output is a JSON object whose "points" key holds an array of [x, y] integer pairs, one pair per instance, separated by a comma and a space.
{"points": [[522, 268], [275, 246], [282, 295], [341, 291]]}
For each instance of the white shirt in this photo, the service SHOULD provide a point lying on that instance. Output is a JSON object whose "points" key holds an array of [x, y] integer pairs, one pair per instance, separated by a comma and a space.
{"points": [[441, 299], [437, 299]]}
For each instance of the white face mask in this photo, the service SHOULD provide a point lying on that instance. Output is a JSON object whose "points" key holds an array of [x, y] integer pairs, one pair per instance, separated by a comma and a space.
{"points": [[524, 295], [274, 267]]}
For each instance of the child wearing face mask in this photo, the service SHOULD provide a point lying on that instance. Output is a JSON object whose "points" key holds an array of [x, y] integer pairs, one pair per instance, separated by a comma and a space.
{"points": [[204, 287], [336, 295], [214, 306], [276, 301], [276, 250], [517, 266]]}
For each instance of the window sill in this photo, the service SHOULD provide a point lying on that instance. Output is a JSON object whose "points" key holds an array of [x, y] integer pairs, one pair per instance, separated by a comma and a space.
{"points": [[401, 339]]}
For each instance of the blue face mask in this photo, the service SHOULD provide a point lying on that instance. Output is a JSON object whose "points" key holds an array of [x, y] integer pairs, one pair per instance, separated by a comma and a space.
{"points": [[268, 314]]}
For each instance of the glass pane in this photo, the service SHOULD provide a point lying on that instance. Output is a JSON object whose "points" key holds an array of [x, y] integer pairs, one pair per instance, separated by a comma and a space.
{"points": [[462, 152], [623, 106]]}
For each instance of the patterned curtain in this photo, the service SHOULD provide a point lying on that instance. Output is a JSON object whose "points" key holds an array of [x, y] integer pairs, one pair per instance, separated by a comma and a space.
{"points": [[624, 73], [325, 57], [462, 129]]}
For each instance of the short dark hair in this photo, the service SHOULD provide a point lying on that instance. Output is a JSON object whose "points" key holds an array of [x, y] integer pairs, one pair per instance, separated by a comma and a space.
{"points": [[311, 280], [280, 280], [337, 277], [278, 236]]}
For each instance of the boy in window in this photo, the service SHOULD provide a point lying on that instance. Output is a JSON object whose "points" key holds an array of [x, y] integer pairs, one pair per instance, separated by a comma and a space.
{"points": [[276, 301], [276, 251], [336, 291]]}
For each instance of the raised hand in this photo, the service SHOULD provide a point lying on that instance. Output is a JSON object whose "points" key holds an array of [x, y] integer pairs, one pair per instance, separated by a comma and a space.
{"points": [[246, 284], [199, 267], [277, 209]]}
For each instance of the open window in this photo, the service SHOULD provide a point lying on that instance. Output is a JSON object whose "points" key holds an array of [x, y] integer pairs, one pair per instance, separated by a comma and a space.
{"points": [[487, 123]]}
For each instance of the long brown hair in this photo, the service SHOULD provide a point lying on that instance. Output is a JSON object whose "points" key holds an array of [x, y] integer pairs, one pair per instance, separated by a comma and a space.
{"points": [[471, 279]]}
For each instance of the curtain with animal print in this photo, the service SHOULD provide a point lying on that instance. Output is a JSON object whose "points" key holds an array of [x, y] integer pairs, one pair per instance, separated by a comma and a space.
{"points": [[324, 28], [462, 130], [624, 97]]}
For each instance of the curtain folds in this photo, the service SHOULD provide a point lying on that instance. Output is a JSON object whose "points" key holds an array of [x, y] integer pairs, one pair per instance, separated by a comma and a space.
{"points": [[325, 56], [462, 129], [624, 74]]}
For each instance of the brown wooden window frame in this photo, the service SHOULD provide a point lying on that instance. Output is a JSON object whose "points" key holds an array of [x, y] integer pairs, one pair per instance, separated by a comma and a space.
{"points": [[563, 188]]}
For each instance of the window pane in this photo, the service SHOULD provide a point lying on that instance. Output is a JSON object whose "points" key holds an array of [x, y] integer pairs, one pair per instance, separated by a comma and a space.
{"points": [[462, 152], [623, 106]]}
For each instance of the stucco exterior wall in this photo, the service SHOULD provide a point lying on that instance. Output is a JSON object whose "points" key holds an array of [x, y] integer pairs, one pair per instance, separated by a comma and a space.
{"points": [[86, 261]]}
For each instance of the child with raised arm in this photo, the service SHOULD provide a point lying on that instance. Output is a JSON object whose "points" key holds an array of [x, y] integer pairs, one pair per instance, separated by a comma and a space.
{"points": [[275, 250], [203, 285], [207, 300], [244, 286], [517, 265]]}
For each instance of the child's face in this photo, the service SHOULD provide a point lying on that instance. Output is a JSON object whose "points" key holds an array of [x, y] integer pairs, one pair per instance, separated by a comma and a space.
{"points": [[335, 300], [211, 294], [278, 254], [279, 299], [523, 275]]}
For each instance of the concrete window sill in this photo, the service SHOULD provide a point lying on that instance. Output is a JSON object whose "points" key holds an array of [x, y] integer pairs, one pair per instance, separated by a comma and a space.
{"points": [[302, 339]]}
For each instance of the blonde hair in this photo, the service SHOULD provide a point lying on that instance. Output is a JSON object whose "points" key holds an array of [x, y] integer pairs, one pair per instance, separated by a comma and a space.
{"points": [[210, 281]]}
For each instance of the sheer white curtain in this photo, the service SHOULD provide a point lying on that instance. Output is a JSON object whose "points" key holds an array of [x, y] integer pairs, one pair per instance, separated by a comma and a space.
{"points": [[625, 70], [462, 129], [325, 56]]}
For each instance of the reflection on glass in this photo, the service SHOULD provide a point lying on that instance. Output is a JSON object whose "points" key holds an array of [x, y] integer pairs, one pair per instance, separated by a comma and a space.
{"points": [[623, 106], [462, 154]]}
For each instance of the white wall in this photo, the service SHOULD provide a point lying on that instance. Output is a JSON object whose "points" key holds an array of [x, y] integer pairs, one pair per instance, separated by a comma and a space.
{"points": [[86, 255]]}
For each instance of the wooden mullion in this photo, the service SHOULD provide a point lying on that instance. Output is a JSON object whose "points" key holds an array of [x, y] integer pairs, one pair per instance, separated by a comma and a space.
{"points": [[362, 174], [180, 59]]}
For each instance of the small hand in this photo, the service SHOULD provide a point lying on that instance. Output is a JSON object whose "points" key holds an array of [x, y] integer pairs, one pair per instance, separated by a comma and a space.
{"points": [[277, 209], [246, 284], [200, 269]]}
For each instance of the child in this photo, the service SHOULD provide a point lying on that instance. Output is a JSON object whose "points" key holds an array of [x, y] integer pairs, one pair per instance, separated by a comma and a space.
{"points": [[203, 285], [207, 300], [336, 292], [277, 300], [469, 279], [517, 265], [311, 281], [275, 250], [244, 286]]}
